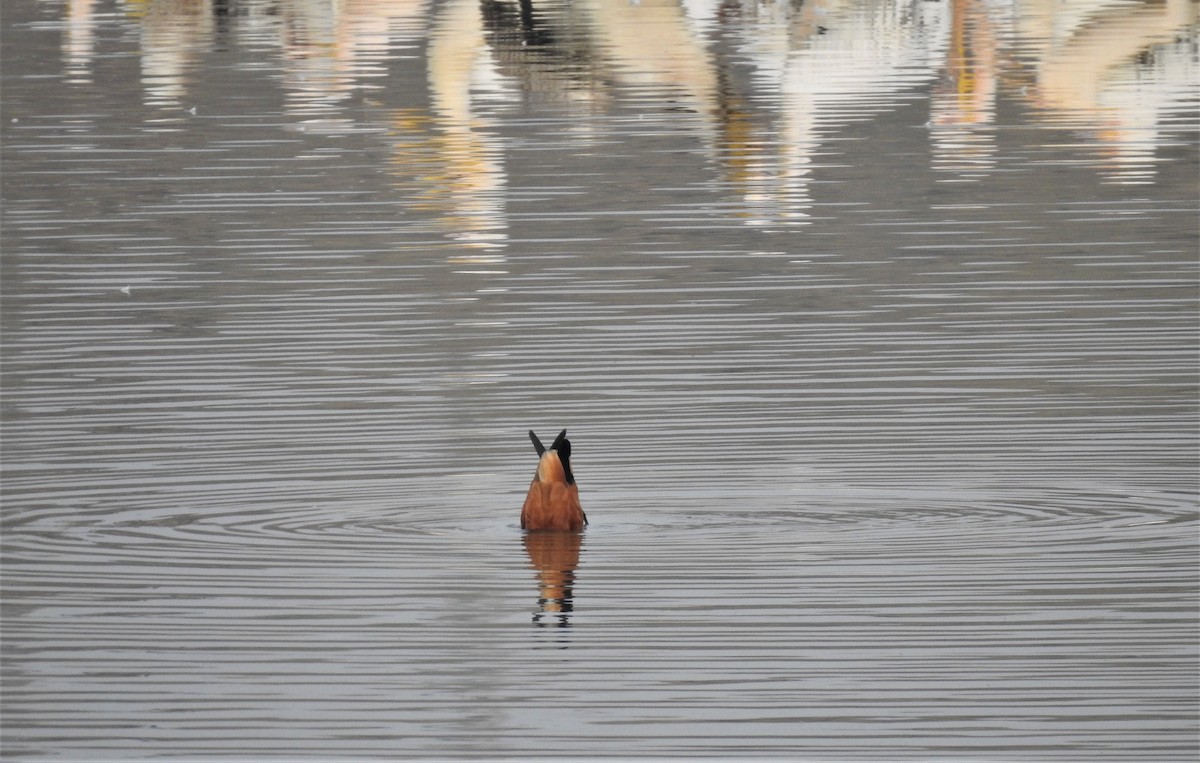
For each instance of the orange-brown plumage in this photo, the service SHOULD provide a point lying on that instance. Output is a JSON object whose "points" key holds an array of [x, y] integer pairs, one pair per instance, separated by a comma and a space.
{"points": [[552, 502]]}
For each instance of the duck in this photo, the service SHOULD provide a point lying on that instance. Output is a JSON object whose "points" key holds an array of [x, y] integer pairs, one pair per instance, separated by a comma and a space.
{"points": [[552, 502]]}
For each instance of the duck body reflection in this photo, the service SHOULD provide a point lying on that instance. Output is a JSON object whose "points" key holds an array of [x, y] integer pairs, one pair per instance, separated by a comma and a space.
{"points": [[554, 555]]}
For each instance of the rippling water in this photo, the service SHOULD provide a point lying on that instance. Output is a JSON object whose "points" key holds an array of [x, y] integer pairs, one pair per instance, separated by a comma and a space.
{"points": [[873, 325]]}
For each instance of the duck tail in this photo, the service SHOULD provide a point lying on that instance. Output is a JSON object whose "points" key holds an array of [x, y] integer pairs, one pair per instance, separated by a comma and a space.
{"points": [[537, 444]]}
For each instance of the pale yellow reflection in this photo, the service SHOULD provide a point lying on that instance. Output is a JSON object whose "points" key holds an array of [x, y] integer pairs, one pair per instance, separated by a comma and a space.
{"points": [[469, 178], [652, 51], [1115, 67], [79, 40], [173, 34], [963, 104]]}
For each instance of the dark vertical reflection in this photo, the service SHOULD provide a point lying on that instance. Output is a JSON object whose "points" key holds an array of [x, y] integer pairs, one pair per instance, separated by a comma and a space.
{"points": [[554, 556]]}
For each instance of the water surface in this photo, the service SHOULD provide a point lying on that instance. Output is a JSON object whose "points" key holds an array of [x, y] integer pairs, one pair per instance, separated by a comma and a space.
{"points": [[873, 325]]}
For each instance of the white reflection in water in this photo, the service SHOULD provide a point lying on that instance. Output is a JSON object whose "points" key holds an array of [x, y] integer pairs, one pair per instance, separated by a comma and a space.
{"points": [[825, 64], [1120, 70]]}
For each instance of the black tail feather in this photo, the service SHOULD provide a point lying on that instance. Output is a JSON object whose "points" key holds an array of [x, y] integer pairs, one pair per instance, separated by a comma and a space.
{"points": [[558, 441], [562, 446], [537, 444]]}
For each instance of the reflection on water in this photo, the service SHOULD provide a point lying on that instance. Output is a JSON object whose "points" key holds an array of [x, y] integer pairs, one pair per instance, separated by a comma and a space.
{"points": [[1118, 72], [963, 105], [877, 336], [473, 178], [554, 555]]}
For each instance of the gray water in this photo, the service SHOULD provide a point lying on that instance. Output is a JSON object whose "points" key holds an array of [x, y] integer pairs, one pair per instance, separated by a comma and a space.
{"points": [[873, 324]]}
